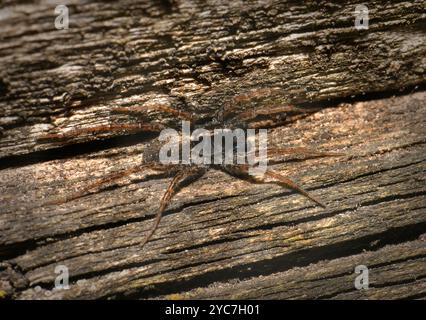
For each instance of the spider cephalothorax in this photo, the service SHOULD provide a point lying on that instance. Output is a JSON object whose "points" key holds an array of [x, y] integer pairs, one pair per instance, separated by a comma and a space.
{"points": [[231, 116]]}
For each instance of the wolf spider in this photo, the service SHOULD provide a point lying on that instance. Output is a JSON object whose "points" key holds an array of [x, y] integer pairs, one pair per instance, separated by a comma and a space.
{"points": [[182, 175]]}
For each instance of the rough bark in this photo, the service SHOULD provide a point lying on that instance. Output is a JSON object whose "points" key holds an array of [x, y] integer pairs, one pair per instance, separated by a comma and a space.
{"points": [[250, 240]]}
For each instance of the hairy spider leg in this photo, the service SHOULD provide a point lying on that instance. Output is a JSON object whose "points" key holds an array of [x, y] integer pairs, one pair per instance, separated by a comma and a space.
{"points": [[250, 114], [274, 151], [241, 170], [289, 183], [183, 178], [107, 179], [129, 128], [160, 107], [247, 97]]}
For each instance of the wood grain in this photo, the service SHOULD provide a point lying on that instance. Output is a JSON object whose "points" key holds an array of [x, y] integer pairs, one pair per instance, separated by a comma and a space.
{"points": [[221, 228], [358, 92]]}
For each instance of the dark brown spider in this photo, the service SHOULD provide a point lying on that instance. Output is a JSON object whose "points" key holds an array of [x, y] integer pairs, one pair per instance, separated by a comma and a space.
{"points": [[231, 115]]}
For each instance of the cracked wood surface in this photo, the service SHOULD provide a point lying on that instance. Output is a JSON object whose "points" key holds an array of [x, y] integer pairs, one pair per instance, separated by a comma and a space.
{"points": [[395, 271], [221, 228], [197, 57]]}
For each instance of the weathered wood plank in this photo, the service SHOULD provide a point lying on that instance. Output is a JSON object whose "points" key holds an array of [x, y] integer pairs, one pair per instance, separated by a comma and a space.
{"points": [[195, 56], [220, 225], [199, 56], [394, 272]]}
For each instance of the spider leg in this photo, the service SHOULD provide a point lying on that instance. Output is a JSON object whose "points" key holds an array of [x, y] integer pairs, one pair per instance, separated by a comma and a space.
{"points": [[182, 178], [107, 179], [128, 128], [241, 170], [255, 112], [245, 98], [289, 183], [160, 107], [300, 151]]}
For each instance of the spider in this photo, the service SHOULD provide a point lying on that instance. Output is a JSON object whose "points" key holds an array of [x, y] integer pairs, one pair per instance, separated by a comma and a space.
{"points": [[231, 115]]}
